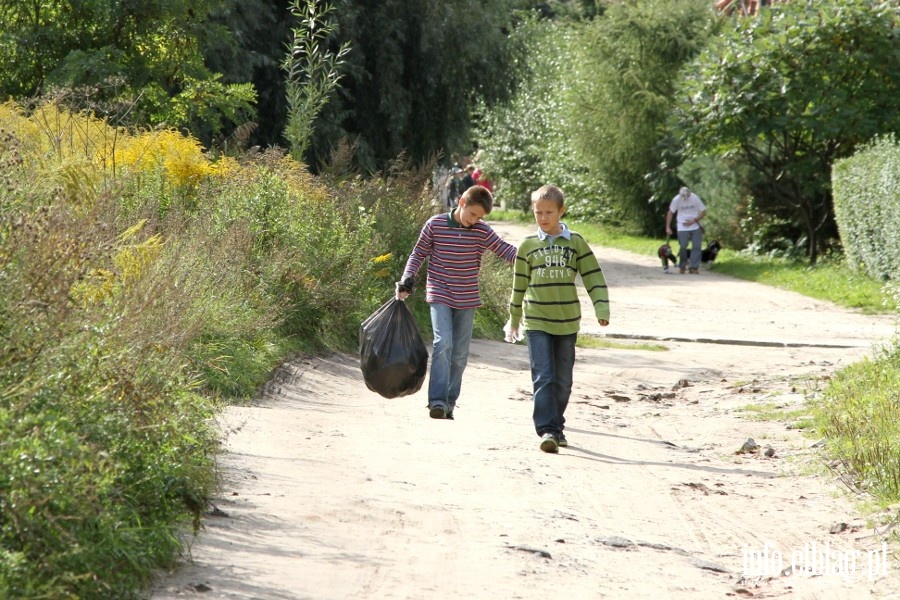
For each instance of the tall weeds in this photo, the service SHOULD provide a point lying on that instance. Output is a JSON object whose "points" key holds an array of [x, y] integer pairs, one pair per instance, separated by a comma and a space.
{"points": [[860, 417], [143, 284]]}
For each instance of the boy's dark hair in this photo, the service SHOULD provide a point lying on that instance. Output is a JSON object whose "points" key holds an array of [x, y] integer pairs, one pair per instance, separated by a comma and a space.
{"points": [[481, 196]]}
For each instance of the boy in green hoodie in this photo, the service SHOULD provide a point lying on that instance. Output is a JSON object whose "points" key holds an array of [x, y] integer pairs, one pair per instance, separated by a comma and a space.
{"points": [[545, 304]]}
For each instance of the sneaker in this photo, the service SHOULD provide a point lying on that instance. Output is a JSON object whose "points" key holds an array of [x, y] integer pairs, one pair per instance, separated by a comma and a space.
{"points": [[437, 412], [549, 443], [695, 271], [562, 441], [449, 414], [681, 271]]}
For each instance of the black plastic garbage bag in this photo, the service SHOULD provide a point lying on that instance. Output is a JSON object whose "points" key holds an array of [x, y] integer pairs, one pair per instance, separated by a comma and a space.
{"points": [[392, 354]]}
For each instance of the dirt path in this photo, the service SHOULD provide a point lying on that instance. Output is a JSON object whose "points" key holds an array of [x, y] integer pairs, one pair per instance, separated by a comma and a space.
{"points": [[332, 492]]}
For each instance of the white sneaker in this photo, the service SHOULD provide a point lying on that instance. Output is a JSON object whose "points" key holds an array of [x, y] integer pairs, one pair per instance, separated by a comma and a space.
{"points": [[549, 443]]}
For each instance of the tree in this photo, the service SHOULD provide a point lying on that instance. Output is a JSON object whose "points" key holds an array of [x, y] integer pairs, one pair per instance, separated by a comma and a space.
{"points": [[527, 140], [791, 91], [244, 41], [141, 59], [634, 55], [416, 70]]}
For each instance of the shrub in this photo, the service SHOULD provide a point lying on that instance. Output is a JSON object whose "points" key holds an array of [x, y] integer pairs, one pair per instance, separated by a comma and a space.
{"points": [[107, 448], [104, 313], [496, 286], [867, 207]]}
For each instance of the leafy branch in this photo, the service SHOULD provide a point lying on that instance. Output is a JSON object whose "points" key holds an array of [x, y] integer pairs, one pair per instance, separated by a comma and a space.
{"points": [[312, 71]]}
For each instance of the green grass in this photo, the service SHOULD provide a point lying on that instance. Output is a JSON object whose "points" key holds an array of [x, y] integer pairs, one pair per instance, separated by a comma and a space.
{"points": [[829, 281], [592, 341], [860, 417], [795, 417]]}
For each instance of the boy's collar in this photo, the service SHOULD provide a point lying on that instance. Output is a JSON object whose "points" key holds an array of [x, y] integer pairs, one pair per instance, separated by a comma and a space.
{"points": [[563, 233], [452, 222]]}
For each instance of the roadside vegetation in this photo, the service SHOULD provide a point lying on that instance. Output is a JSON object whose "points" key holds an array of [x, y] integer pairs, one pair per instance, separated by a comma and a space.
{"points": [[143, 284], [859, 416]]}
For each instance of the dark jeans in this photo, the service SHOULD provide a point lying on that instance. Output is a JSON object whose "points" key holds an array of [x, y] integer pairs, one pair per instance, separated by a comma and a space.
{"points": [[552, 361]]}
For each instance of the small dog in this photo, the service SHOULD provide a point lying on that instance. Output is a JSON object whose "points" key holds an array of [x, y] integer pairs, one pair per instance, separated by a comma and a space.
{"points": [[711, 251], [665, 254]]}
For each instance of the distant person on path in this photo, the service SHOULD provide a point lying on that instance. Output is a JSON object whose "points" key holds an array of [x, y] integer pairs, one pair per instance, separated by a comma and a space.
{"points": [[468, 179], [454, 187], [453, 243], [545, 302], [690, 210], [480, 179]]}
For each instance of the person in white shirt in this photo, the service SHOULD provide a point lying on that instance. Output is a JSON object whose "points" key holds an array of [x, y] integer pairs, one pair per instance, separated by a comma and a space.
{"points": [[690, 210]]}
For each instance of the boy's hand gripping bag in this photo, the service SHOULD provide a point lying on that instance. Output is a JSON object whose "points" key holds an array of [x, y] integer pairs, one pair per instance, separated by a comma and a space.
{"points": [[392, 354]]}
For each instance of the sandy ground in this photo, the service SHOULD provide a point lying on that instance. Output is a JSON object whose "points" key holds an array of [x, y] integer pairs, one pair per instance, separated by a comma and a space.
{"points": [[331, 492]]}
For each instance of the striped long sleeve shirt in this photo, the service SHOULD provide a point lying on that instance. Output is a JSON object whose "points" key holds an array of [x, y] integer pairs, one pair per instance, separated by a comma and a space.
{"points": [[454, 257], [544, 291]]}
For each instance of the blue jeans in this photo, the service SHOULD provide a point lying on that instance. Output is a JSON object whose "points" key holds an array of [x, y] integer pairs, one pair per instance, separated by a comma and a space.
{"points": [[452, 329], [696, 239], [552, 361]]}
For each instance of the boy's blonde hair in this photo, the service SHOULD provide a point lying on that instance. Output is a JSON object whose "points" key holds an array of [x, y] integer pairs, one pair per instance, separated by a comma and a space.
{"points": [[479, 196], [549, 192]]}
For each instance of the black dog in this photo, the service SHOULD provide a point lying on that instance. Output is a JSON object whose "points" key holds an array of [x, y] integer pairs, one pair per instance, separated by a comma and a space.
{"points": [[711, 251]]}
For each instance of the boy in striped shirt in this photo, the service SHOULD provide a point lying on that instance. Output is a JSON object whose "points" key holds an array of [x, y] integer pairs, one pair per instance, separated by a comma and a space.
{"points": [[545, 301], [453, 243]]}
